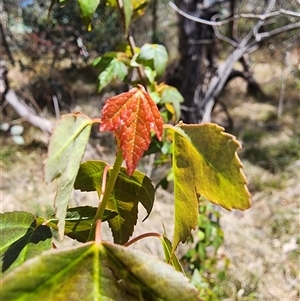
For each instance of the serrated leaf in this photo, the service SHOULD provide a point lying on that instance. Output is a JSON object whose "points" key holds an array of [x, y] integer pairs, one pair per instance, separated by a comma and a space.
{"points": [[89, 177], [155, 56], [87, 10], [79, 220], [132, 115], [115, 70], [127, 193], [205, 163], [96, 272], [65, 152], [21, 238]]}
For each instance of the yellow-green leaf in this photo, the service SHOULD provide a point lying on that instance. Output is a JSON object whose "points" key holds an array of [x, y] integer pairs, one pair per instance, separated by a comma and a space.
{"points": [[205, 163], [96, 272]]}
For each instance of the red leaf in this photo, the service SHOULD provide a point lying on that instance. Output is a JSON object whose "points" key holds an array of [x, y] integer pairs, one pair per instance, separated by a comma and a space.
{"points": [[132, 115]]}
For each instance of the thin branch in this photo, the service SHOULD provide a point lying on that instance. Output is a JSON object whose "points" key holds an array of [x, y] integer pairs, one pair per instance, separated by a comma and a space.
{"points": [[140, 69], [222, 37], [56, 107], [265, 35], [290, 13], [259, 24], [261, 17], [198, 20]]}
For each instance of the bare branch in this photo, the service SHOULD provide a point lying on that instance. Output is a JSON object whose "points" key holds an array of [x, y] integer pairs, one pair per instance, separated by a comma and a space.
{"points": [[265, 35], [261, 17], [192, 18], [290, 13]]}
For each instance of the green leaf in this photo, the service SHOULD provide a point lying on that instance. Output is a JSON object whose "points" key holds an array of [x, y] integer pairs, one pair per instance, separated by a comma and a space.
{"points": [[115, 70], [21, 238], [155, 56], [170, 256], [127, 193], [103, 61], [65, 152], [87, 10], [151, 75], [96, 272], [205, 163], [128, 10], [79, 220], [172, 95], [89, 177]]}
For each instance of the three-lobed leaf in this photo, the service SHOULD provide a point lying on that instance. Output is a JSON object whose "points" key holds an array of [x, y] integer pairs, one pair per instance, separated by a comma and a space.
{"points": [[65, 152], [132, 115], [96, 272], [155, 56], [205, 163]]}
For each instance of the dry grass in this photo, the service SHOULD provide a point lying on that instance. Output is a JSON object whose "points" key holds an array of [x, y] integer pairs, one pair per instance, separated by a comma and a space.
{"points": [[263, 242]]}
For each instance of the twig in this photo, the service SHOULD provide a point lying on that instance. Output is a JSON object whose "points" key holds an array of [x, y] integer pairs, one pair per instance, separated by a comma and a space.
{"points": [[56, 107], [150, 165], [140, 69], [265, 35], [261, 17]]}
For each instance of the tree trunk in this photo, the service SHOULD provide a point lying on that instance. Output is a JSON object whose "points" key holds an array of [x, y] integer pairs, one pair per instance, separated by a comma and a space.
{"points": [[197, 47]]}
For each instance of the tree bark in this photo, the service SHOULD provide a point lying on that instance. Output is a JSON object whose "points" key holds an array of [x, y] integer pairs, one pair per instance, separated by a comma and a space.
{"points": [[197, 48]]}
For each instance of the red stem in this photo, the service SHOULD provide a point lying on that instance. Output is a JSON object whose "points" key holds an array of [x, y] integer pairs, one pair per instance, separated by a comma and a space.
{"points": [[149, 234]]}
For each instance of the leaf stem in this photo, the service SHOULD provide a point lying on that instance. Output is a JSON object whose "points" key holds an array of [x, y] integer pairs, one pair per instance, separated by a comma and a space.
{"points": [[98, 231], [109, 188], [134, 240]]}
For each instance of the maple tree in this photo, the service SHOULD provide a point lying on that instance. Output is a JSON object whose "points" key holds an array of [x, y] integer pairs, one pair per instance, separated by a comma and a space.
{"points": [[204, 163]]}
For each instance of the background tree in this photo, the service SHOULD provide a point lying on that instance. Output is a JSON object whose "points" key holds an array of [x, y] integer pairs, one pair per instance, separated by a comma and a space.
{"points": [[204, 26]]}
